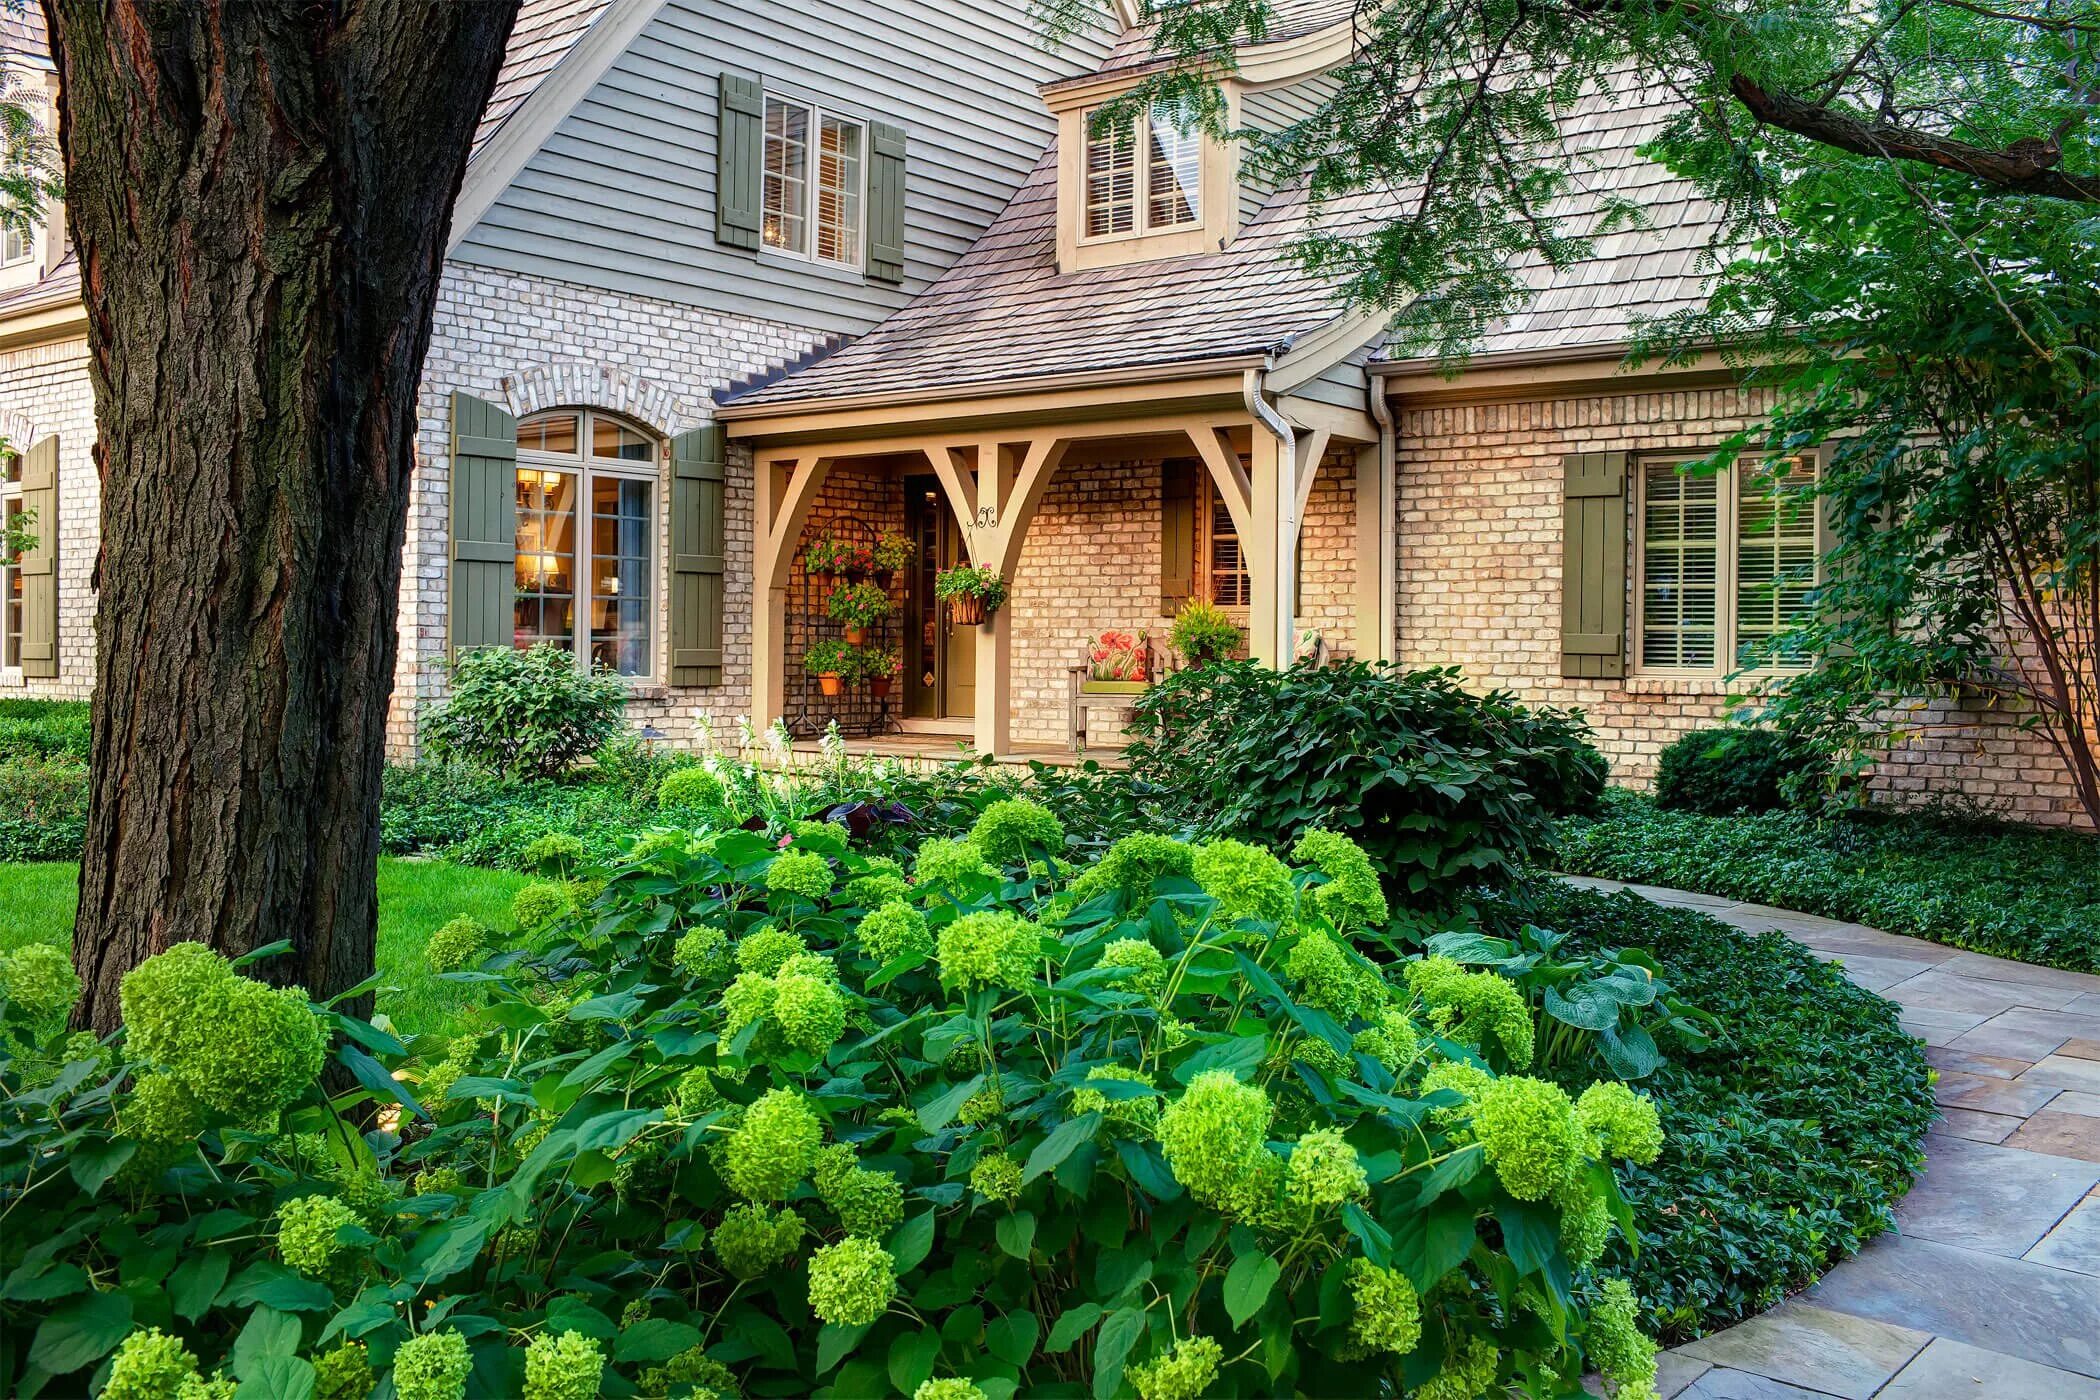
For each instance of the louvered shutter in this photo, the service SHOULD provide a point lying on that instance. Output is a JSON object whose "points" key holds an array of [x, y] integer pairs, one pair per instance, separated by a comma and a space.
{"points": [[696, 556], [1177, 535], [1593, 566], [885, 202], [484, 523], [39, 567], [739, 155]]}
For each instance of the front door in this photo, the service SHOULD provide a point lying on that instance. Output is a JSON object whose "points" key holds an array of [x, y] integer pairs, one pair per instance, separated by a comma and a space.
{"points": [[940, 659]]}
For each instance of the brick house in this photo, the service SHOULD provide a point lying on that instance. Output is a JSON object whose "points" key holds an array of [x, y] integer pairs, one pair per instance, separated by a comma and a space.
{"points": [[748, 288]]}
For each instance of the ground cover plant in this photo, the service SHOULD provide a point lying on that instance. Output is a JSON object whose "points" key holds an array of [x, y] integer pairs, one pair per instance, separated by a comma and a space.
{"points": [[774, 1118], [2013, 891], [1445, 790], [1791, 1138], [416, 899]]}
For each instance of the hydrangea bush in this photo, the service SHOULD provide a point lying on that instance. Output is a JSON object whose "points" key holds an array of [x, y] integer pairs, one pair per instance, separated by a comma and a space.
{"points": [[763, 1117]]}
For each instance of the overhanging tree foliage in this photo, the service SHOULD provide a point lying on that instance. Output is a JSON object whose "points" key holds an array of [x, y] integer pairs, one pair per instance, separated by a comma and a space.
{"points": [[260, 195]]}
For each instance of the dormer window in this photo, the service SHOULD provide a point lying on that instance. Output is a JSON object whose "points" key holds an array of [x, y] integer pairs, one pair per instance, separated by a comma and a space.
{"points": [[1167, 169]]}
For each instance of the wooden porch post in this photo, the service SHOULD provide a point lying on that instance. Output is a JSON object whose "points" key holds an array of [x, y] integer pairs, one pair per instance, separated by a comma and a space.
{"points": [[1268, 478], [783, 491], [1374, 584]]}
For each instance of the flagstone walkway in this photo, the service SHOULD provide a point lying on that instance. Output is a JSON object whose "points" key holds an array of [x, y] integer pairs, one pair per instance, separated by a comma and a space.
{"points": [[1990, 1286]]}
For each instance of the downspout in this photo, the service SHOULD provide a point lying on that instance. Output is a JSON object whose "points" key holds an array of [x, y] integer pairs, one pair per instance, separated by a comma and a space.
{"points": [[1286, 542], [1388, 519]]}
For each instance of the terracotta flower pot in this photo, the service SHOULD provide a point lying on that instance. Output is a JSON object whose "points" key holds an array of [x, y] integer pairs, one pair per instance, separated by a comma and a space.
{"points": [[878, 686], [855, 635], [831, 683], [967, 609]]}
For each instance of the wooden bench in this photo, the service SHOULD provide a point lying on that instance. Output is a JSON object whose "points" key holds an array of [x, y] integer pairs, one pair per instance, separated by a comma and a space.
{"points": [[1086, 693]]}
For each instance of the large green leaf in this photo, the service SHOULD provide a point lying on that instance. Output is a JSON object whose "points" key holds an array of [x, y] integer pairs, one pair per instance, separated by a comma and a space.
{"points": [[912, 1358], [940, 1111], [1112, 1344], [1060, 1144], [81, 1333], [1247, 1285]]}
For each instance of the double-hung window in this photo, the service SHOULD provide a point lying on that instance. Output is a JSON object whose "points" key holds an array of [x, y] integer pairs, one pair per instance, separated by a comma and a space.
{"points": [[1726, 561], [586, 540], [1135, 187], [17, 244], [11, 586], [815, 182]]}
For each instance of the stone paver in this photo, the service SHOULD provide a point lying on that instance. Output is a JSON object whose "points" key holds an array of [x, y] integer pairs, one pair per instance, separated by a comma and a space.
{"points": [[1988, 1288]]}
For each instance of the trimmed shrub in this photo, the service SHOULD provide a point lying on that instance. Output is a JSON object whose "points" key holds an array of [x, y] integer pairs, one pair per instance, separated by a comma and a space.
{"points": [[44, 729], [525, 714], [1719, 772], [1445, 790], [43, 806]]}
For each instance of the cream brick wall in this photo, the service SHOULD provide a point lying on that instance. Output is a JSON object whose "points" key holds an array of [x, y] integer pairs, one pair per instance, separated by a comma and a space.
{"points": [[44, 389], [1479, 522]]}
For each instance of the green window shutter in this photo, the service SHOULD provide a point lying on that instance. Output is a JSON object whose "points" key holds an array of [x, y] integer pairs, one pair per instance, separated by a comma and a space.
{"points": [[1177, 534], [696, 556], [1593, 566], [739, 152], [39, 567], [885, 202], [484, 523]]}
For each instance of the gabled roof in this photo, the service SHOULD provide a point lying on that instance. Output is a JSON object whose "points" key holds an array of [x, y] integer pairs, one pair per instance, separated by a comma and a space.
{"points": [[24, 35], [545, 33]]}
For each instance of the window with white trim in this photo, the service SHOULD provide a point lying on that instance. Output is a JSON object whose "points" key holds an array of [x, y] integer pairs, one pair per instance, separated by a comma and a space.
{"points": [[814, 182], [16, 245], [1725, 561], [586, 542], [1133, 189], [10, 576]]}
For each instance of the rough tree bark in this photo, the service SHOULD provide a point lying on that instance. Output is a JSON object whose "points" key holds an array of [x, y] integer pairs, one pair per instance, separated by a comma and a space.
{"points": [[260, 195]]}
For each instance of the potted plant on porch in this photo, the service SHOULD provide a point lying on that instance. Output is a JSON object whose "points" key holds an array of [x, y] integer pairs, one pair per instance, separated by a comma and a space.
{"points": [[892, 552], [972, 594], [831, 661], [879, 668], [857, 607], [1202, 633]]}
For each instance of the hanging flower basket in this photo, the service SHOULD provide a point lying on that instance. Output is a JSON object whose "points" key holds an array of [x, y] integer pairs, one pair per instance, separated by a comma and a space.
{"points": [[972, 594], [966, 609]]}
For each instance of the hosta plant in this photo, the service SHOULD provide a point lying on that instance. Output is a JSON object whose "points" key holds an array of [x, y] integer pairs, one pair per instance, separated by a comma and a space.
{"points": [[775, 1118]]}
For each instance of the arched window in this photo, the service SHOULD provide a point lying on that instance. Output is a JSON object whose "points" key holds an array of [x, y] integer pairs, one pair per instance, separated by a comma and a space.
{"points": [[586, 568]]}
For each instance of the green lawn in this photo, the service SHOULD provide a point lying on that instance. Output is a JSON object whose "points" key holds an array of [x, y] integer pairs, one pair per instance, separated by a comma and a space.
{"points": [[415, 898]]}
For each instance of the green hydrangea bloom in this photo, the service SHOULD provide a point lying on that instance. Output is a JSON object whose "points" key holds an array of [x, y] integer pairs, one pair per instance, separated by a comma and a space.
{"points": [[1352, 896], [892, 930], [1528, 1132], [1138, 1117], [1181, 1374], [438, 1181], [539, 904], [802, 874], [40, 986], [433, 1366], [161, 1110], [851, 1282], [949, 863], [1625, 1122], [997, 1177], [874, 891], [983, 1106], [306, 1229], [1014, 829], [1469, 1006], [1459, 1077], [1246, 881], [218, 1387], [242, 1049], [556, 852], [869, 1203], [343, 1373], [710, 1379], [567, 1367], [1133, 865], [774, 1146], [766, 948], [149, 1365], [694, 1095], [1585, 1219], [749, 998], [459, 945], [1616, 1347], [825, 837], [647, 847], [1386, 1314], [1149, 966], [1215, 1137], [692, 789], [1325, 974], [947, 1388], [995, 948], [1392, 1041], [701, 952], [809, 1010], [1467, 1376], [752, 1240], [1324, 1172]]}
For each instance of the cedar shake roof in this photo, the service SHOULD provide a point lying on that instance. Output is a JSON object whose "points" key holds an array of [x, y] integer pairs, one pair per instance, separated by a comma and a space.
{"points": [[25, 34]]}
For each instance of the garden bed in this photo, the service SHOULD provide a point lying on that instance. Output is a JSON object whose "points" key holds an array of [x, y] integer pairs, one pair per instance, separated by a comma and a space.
{"points": [[2012, 891], [1788, 1144]]}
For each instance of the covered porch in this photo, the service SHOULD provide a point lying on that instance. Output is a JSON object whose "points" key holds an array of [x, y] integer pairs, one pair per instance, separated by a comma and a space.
{"points": [[1102, 508]]}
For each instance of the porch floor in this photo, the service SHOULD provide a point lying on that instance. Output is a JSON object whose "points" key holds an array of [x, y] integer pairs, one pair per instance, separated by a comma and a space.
{"points": [[939, 748]]}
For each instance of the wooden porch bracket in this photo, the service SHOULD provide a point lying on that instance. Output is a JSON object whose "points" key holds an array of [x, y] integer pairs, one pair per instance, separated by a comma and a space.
{"points": [[781, 507]]}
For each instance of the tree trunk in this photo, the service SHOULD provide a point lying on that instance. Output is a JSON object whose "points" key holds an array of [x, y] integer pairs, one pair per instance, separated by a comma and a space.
{"points": [[259, 195]]}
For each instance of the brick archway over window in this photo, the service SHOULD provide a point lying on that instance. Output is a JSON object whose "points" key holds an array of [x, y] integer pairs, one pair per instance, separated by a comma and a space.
{"points": [[569, 383], [17, 429]]}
